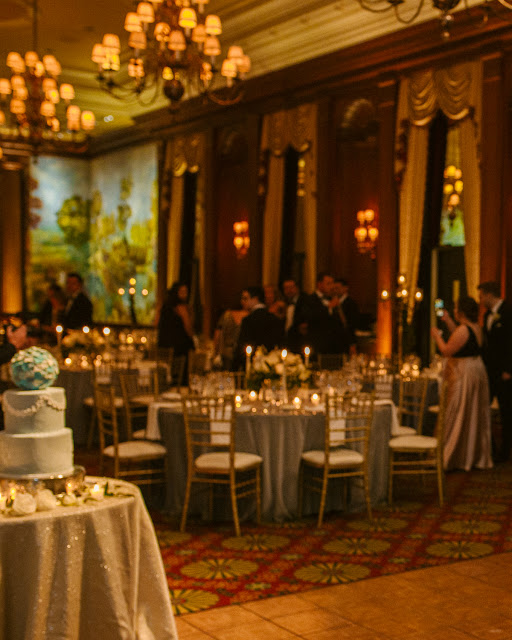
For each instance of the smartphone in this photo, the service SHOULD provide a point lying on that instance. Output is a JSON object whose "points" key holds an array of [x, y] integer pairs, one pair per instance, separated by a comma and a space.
{"points": [[439, 307]]}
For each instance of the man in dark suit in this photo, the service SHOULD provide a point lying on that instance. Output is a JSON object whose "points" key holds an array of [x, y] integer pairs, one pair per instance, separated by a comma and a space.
{"points": [[498, 359], [321, 319], [259, 327], [348, 315], [78, 311], [296, 316]]}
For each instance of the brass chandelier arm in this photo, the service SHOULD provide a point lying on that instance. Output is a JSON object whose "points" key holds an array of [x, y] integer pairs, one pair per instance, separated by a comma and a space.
{"points": [[414, 15], [367, 5]]}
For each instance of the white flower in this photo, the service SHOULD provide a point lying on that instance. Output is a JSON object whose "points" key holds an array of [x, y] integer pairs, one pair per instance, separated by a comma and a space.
{"points": [[45, 500], [23, 505], [273, 358], [279, 368], [69, 499]]}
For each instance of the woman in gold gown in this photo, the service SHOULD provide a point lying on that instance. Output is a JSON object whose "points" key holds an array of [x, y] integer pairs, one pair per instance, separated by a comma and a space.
{"points": [[467, 425]]}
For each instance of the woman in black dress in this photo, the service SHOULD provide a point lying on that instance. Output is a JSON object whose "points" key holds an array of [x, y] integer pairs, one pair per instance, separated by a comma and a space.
{"points": [[175, 322]]}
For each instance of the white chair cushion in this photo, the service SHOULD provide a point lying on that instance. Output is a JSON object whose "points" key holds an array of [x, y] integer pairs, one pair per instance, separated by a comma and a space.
{"points": [[136, 449], [143, 398], [337, 457], [413, 442], [220, 461], [140, 434], [402, 430]]}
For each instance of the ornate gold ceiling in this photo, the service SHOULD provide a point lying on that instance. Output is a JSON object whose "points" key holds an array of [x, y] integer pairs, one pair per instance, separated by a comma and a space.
{"points": [[275, 34]]}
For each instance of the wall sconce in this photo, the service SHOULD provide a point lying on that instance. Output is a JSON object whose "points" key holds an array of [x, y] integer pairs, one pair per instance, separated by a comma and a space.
{"points": [[242, 240], [366, 233]]}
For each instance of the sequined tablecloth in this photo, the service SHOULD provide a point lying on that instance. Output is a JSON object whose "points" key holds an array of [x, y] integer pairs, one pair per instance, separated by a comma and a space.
{"points": [[84, 573]]}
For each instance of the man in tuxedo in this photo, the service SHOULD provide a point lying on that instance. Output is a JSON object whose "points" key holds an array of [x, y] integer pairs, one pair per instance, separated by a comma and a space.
{"points": [[78, 311], [259, 327], [347, 313], [295, 320], [498, 359], [321, 319]]}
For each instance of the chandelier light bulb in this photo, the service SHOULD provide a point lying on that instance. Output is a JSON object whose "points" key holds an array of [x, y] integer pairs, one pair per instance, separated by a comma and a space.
{"points": [[162, 31], [177, 54], [132, 22], [213, 25], [111, 42], [67, 92], [188, 18], [31, 59], [146, 12]]}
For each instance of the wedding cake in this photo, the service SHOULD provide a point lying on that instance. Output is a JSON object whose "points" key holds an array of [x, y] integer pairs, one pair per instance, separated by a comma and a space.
{"points": [[35, 442]]}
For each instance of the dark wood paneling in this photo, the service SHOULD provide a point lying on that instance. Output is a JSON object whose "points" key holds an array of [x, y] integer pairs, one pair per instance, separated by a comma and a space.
{"points": [[491, 241], [387, 248]]}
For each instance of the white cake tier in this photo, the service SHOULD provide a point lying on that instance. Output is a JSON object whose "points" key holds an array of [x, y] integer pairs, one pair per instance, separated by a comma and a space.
{"points": [[36, 454], [39, 411]]}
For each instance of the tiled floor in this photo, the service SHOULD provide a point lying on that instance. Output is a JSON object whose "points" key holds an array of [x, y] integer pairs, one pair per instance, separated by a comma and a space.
{"points": [[465, 601]]}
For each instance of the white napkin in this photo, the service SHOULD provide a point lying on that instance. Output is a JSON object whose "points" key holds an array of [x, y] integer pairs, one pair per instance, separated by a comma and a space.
{"points": [[337, 437], [220, 429], [395, 424], [152, 428]]}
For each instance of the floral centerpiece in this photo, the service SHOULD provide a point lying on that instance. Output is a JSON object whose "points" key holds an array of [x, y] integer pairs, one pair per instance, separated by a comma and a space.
{"points": [[270, 366], [78, 341]]}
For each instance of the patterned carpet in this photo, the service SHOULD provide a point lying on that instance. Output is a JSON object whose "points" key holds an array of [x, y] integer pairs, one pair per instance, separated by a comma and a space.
{"points": [[209, 567]]}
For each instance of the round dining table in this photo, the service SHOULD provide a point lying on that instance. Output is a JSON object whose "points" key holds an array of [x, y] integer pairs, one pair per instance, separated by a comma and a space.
{"points": [[84, 572], [279, 438]]}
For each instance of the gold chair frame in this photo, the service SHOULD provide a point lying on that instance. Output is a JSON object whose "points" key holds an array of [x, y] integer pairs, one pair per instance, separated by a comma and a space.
{"points": [[348, 421], [412, 396], [419, 455], [132, 460], [211, 455]]}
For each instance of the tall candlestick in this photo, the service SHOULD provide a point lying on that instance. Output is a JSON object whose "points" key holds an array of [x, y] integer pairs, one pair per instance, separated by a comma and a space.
{"points": [[248, 351], [284, 354], [59, 329], [307, 351]]}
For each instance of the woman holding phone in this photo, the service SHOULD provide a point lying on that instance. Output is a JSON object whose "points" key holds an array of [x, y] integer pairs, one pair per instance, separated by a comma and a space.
{"points": [[467, 426]]}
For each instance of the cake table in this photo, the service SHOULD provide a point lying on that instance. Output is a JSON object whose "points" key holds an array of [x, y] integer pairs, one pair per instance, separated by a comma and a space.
{"points": [[84, 572]]}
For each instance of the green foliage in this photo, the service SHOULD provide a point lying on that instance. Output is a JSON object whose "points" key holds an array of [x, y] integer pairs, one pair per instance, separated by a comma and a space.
{"points": [[122, 251], [74, 220]]}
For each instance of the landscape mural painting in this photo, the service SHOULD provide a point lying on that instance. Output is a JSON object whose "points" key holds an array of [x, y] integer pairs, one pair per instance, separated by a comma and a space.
{"points": [[99, 218]]}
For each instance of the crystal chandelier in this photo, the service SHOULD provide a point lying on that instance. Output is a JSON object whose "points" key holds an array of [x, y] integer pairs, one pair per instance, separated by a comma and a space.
{"points": [[406, 17], [33, 105], [173, 48]]}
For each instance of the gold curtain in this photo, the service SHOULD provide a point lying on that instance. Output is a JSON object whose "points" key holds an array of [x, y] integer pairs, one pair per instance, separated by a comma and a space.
{"points": [[186, 153], [457, 92], [296, 128]]}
